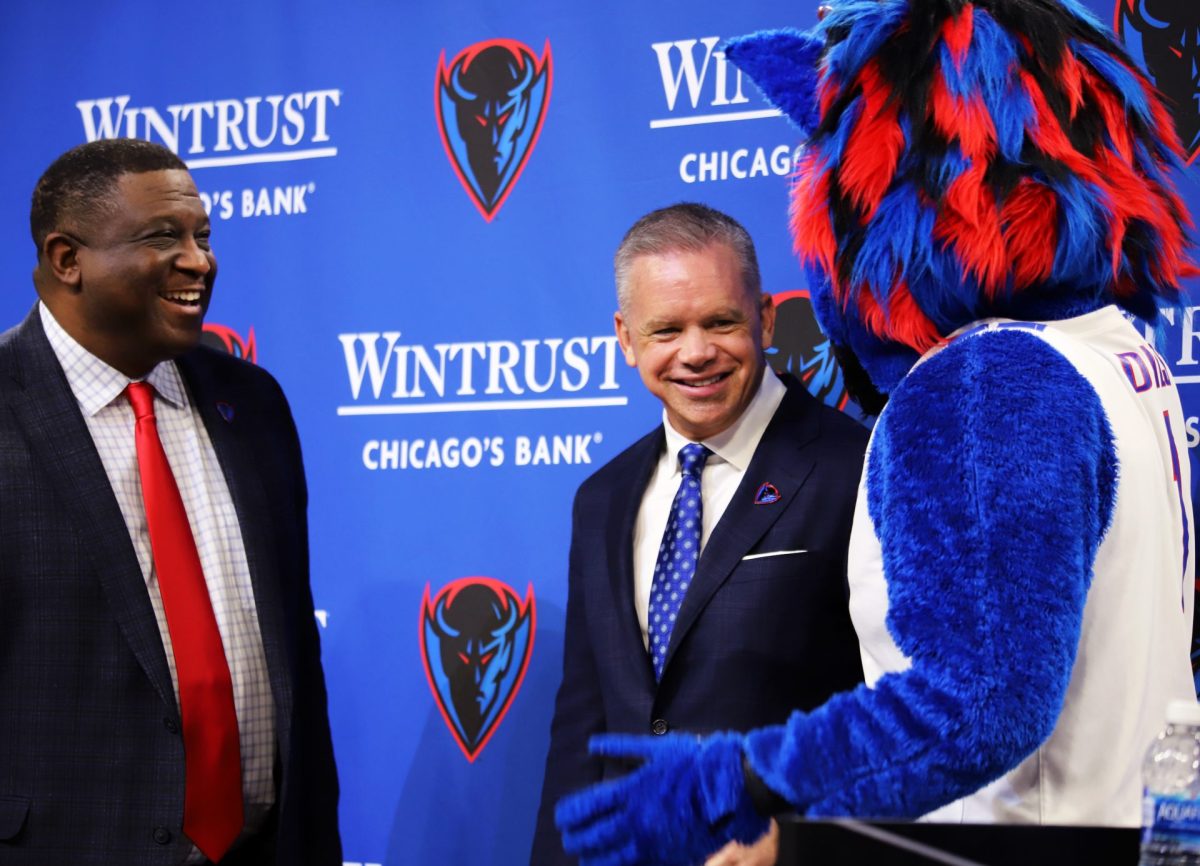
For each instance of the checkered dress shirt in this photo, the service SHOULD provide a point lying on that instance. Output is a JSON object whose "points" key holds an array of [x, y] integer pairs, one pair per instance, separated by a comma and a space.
{"points": [[100, 391]]}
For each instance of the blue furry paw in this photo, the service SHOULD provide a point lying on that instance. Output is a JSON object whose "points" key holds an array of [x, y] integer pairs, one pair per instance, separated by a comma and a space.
{"points": [[685, 802]]}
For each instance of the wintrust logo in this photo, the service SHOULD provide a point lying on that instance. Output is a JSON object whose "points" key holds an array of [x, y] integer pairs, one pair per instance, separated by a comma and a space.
{"points": [[220, 132], [701, 87]]}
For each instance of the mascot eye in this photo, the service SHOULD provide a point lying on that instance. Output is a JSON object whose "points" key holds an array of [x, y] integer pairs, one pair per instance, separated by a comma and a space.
{"points": [[503, 119], [464, 659], [481, 120], [487, 657], [1176, 52]]}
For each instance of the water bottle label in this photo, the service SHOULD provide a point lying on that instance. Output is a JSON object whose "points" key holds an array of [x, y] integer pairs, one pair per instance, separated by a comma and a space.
{"points": [[1177, 817]]}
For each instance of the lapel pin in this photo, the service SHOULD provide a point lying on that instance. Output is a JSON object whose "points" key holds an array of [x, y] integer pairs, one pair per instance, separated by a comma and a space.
{"points": [[226, 410], [767, 494]]}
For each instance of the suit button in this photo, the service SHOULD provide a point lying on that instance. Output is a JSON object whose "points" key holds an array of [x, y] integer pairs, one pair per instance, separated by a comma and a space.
{"points": [[170, 724], [162, 835], [659, 727]]}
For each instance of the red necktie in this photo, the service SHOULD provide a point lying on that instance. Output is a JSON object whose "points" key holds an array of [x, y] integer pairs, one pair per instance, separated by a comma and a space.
{"points": [[212, 807]]}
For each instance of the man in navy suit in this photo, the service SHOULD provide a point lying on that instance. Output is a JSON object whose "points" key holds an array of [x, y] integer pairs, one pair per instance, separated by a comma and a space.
{"points": [[92, 725], [762, 627]]}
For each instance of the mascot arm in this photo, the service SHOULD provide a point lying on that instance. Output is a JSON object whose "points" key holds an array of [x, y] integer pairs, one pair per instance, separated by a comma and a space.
{"points": [[991, 481]]}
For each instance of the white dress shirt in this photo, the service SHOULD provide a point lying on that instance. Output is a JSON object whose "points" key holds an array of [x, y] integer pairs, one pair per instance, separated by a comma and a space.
{"points": [[99, 389], [732, 450]]}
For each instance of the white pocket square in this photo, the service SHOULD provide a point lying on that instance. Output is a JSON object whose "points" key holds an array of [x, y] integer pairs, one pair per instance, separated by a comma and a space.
{"points": [[772, 553]]}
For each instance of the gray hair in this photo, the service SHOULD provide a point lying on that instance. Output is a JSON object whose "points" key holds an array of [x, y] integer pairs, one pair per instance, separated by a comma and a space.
{"points": [[684, 227]]}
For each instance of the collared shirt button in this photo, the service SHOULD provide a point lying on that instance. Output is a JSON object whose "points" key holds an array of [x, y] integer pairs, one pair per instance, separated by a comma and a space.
{"points": [[659, 727]]}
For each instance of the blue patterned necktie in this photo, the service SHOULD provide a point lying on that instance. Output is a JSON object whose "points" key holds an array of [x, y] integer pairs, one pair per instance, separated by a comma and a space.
{"points": [[677, 554]]}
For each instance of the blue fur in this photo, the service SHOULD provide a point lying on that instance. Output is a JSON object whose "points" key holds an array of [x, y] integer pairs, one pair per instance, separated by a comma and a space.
{"points": [[989, 514], [1151, 164], [873, 22], [1085, 15], [945, 292], [890, 239], [784, 63], [994, 55], [684, 803], [1081, 259], [1118, 77], [946, 170], [828, 315], [833, 146], [886, 361]]}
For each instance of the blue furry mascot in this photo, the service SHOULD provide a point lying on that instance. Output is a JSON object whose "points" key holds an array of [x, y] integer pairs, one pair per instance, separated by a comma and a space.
{"points": [[982, 198]]}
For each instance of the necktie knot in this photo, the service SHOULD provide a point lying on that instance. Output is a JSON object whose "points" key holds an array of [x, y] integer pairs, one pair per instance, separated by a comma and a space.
{"points": [[692, 458], [141, 398]]}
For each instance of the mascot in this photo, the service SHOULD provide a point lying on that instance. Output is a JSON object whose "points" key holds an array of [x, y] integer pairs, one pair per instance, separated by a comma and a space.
{"points": [[982, 203]]}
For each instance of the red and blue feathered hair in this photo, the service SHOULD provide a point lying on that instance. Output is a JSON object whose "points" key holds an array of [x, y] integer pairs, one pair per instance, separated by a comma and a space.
{"points": [[971, 159]]}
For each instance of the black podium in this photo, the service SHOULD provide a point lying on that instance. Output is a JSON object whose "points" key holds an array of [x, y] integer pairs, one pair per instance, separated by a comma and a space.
{"points": [[803, 842]]}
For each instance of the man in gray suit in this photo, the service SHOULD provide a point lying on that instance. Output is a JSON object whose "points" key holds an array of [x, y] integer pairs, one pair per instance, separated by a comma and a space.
{"points": [[163, 700]]}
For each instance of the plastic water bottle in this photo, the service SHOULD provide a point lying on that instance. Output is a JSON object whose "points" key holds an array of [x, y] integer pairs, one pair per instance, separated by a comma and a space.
{"points": [[1171, 799]]}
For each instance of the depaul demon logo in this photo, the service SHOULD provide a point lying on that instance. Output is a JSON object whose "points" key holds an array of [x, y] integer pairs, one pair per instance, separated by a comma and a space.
{"points": [[801, 349], [1164, 36], [476, 639], [225, 339], [491, 103]]}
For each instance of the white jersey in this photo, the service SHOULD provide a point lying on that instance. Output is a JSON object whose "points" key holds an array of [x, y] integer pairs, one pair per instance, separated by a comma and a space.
{"points": [[1134, 644]]}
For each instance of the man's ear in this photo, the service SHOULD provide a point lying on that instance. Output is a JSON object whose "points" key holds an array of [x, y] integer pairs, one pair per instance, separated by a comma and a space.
{"points": [[766, 309], [60, 253], [624, 338]]}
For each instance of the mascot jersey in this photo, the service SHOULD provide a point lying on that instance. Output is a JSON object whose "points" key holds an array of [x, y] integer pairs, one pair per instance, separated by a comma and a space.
{"points": [[1137, 617]]}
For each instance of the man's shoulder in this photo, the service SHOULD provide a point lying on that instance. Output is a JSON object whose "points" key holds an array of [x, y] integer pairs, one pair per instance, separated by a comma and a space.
{"points": [[836, 430], [622, 469], [209, 367], [24, 352]]}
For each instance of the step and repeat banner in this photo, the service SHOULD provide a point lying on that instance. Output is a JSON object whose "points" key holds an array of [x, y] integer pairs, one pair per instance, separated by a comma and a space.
{"points": [[415, 208]]}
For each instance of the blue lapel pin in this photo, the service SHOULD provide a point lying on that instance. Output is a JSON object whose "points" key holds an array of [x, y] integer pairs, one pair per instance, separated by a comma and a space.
{"points": [[226, 410], [767, 494]]}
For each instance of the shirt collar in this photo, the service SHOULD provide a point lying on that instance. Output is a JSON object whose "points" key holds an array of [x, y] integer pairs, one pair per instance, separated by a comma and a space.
{"points": [[94, 383], [737, 443]]}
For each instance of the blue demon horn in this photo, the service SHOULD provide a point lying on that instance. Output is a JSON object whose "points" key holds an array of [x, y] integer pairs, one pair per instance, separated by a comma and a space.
{"points": [[783, 63], [1150, 19], [443, 626], [462, 92], [512, 619], [517, 89]]}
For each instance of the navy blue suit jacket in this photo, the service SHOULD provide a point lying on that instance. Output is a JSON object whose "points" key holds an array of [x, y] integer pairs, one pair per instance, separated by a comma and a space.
{"points": [[755, 638], [91, 761]]}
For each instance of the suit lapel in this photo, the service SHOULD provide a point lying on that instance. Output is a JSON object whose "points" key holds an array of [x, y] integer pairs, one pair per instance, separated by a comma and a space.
{"points": [[622, 520], [61, 445], [780, 458], [215, 401]]}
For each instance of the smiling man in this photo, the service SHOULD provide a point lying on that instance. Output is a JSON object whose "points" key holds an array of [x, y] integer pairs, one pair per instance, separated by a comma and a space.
{"points": [[707, 583], [163, 695]]}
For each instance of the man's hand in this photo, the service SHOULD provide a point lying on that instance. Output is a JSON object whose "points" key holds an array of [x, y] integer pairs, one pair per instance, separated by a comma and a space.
{"points": [[764, 852], [684, 803]]}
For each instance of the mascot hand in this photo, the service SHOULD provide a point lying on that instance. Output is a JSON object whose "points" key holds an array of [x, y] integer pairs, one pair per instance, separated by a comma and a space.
{"points": [[685, 802]]}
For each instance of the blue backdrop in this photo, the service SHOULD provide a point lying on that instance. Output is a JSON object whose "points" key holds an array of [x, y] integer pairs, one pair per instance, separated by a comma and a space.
{"points": [[446, 342]]}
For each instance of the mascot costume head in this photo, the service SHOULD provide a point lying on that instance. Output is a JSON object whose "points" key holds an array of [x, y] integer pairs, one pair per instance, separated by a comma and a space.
{"points": [[966, 160], [982, 199]]}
